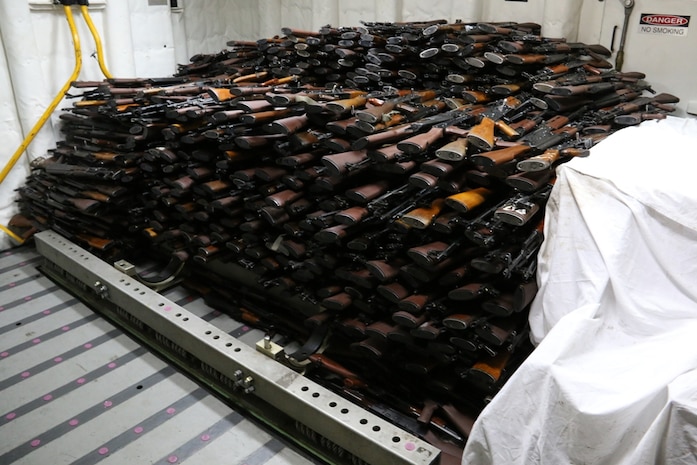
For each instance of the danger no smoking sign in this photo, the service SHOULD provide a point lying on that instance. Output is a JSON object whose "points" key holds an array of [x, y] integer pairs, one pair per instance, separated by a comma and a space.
{"points": [[668, 25]]}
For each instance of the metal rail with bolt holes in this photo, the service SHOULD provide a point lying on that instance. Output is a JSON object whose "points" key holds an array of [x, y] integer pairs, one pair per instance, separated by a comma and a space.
{"points": [[269, 390]]}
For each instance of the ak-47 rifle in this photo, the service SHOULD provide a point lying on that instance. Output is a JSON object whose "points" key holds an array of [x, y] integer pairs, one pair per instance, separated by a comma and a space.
{"points": [[554, 131]]}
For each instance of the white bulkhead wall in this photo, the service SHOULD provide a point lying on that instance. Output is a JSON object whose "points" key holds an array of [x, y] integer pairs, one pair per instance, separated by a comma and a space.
{"points": [[146, 38]]}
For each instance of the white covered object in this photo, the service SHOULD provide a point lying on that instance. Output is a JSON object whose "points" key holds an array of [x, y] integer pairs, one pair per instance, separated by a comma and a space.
{"points": [[614, 378]]}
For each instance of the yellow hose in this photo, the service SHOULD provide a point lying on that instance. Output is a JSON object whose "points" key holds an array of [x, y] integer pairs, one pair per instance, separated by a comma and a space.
{"points": [[97, 41], [47, 113], [11, 234], [64, 90]]}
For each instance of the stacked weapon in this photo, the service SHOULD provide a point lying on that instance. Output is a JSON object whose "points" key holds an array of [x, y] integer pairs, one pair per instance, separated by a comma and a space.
{"points": [[379, 192]]}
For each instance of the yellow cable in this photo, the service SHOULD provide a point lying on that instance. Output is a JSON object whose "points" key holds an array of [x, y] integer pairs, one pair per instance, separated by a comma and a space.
{"points": [[11, 234], [47, 113], [64, 90], [97, 41]]}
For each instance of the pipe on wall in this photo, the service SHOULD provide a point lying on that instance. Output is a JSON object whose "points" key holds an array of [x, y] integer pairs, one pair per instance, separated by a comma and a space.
{"points": [[31, 87], [12, 137]]}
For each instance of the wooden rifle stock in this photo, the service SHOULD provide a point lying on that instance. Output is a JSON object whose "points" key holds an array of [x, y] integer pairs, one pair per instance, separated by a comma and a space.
{"points": [[507, 89], [423, 180], [377, 113], [385, 137], [502, 305], [353, 328], [371, 347], [341, 106], [421, 218], [251, 90], [453, 151], [383, 270], [633, 119], [283, 198], [101, 244], [408, 319], [426, 255], [499, 157], [297, 160], [546, 159], [393, 292], [470, 291], [287, 125], [591, 88], [473, 96], [563, 104], [390, 120], [252, 142], [380, 329], [488, 370], [226, 115], [482, 135], [385, 154], [339, 163], [530, 181], [337, 144], [220, 94], [525, 292], [350, 379], [469, 199], [367, 192], [438, 168], [253, 106], [461, 321], [338, 301], [420, 143], [252, 118], [351, 216], [535, 59]]}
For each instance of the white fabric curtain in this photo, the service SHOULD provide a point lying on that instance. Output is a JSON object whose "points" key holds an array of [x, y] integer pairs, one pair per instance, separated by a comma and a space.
{"points": [[247, 20]]}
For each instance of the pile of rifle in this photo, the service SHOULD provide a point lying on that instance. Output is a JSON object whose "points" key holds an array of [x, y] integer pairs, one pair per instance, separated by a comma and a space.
{"points": [[393, 175]]}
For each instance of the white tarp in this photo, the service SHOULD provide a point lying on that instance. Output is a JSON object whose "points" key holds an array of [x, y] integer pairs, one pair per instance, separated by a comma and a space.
{"points": [[614, 378]]}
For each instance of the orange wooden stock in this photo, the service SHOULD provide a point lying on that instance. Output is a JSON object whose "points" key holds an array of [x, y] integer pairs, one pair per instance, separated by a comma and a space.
{"points": [[96, 242], [421, 218], [492, 367], [482, 135], [506, 130], [468, 200], [340, 106], [220, 94]]}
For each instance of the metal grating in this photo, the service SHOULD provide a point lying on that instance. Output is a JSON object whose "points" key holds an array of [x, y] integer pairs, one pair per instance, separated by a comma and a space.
{"points": [[74, 389]]}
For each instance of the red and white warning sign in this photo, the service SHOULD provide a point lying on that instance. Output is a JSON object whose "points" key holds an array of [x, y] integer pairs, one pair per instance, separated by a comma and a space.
{"points": [[662, 24]]}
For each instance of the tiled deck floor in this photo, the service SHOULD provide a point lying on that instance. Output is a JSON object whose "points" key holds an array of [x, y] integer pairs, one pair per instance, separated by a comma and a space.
{"points": [[76, 390]]}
